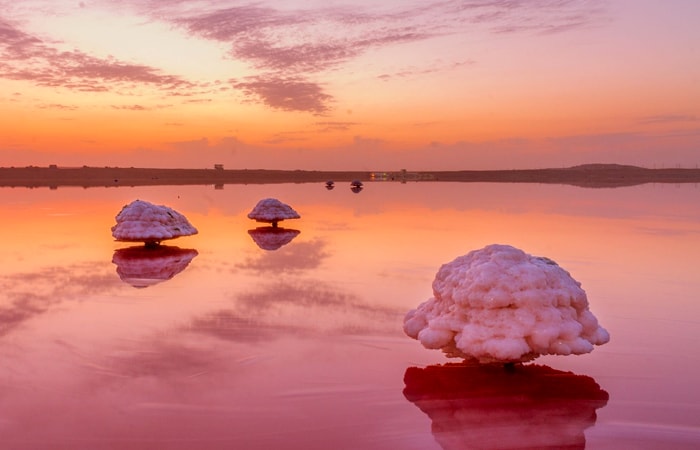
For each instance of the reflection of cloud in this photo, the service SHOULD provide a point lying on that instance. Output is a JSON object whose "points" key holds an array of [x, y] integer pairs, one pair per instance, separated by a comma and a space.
{"points": [[315, 305], [161, 358], [298, 257], [142, 266], [489, 407], [230, 326], [27, 295], [297, 293], [272, 238]]}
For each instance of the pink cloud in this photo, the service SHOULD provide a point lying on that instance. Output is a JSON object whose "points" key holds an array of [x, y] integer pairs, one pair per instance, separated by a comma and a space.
{"points": [[288, 46], [292, 44], [130, 107], [334, 126], [668, 118], [528, 16], [293, 41], [58, 106], [436, 67], [27, 58], [285, 93]]}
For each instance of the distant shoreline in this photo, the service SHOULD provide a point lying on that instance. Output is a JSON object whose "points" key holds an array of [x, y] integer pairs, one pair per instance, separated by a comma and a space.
{"points": [[588, 175]]}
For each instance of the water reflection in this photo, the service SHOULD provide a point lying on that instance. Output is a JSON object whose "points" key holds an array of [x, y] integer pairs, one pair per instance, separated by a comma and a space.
{"points": [[142, 266], [302, 306], [272, 238], [302, 256], [488, 407], [229, 354], [230, 326], [27, 295]]}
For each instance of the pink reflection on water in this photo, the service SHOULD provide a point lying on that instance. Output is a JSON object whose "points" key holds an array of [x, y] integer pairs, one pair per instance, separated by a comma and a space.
{"points": [[142, 266], [491, 407], [302, 347], [272, 238]]}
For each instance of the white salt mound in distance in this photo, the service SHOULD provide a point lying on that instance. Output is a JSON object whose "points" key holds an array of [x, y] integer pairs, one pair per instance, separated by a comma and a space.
{"points": [[271, 210], [500, 304], [141, 221]]}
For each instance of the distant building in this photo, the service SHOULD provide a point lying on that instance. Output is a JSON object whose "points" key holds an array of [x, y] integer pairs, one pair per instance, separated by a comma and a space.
{"points": [[218, 166]]}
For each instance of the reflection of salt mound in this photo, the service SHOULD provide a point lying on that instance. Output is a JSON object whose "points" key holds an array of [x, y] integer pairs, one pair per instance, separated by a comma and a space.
{"points": [[487, 407], [142, 267], [501, 304], [272, 238]]}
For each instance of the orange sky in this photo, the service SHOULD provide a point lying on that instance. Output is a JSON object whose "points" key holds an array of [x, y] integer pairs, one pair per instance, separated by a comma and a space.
{"points": [[349, 85]]}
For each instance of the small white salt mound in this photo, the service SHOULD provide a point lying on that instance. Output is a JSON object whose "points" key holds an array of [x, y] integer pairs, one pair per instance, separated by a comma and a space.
{"points": [[499, 304], [271, 210], [141, 221]]}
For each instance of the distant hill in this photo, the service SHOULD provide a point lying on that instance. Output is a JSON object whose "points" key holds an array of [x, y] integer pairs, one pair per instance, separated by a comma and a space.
{"points": [[599, 166]]}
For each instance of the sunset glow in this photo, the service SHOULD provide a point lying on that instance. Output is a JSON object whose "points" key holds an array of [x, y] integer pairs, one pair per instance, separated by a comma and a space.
{"points": [[349, 85]]}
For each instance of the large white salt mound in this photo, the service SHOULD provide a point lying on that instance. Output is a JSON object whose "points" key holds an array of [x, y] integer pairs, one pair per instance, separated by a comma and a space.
{"points": [[141, 221], [271, 210], [500, 304]]}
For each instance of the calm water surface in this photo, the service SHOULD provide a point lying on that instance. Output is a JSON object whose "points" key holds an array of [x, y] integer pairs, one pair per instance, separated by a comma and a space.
{"points": [[236, 338]]}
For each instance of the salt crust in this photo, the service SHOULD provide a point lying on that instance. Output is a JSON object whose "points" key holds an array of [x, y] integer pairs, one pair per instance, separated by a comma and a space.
{"points": [[271, 210], [500, 304], [141, 221]]}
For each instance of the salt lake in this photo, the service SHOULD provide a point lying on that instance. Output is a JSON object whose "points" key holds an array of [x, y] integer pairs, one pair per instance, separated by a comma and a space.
{"points": [[241, 338]]}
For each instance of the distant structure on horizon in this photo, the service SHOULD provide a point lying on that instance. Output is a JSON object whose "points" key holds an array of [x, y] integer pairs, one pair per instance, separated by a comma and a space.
{"points": [[401, 176]]}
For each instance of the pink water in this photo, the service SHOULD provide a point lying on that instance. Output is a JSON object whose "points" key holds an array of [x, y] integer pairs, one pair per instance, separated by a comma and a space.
{"points": [[224, 344]]}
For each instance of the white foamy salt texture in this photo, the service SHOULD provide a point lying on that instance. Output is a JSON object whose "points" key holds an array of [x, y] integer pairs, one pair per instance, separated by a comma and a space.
{"points": [[271, 210], [499, 304], [141, 221]]}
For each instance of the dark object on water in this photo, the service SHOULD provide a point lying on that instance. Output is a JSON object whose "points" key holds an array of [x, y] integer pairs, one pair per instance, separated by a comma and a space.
{"points": [[142, 267], [272, 238], [484, 406]]}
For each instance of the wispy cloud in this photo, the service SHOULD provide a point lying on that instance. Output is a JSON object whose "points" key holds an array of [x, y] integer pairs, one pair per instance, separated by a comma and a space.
{"points": [[28, 58], [415, 71], [288, 47], [58, 106], [289, 51], [292, 46], [34, 293], [302, 41], [130, 107], [668, 118], [335, 126], [285, 93]]}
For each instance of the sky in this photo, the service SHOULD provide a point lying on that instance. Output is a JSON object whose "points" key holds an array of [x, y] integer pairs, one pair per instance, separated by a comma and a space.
{"points": [[341, 85]]}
